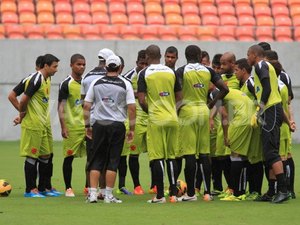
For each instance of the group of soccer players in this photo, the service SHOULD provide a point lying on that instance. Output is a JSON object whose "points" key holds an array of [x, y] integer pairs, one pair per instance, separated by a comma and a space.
{"points": [[214, 116]]}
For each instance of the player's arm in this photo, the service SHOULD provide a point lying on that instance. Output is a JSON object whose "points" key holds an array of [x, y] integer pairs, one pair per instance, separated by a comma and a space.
{"points": [[62, 99], [12, 97], [262, 72], [178, 87], [131, 110], [88, 102], [22, 109], [142, 90], [225, 124]]}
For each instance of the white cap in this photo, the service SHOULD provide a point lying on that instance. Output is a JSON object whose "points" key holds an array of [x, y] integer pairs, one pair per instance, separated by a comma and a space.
{"points": [[113, 59], [105, 53]]}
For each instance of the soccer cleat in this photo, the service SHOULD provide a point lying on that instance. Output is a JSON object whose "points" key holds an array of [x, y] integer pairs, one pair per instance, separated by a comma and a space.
{"points": [[230, 198], [208, 198], [157, 200], [124, 191], [197, 192], [166, 193], [58, 193], [138, 190], [173, 199], [252, 196], [216, 192], [264, 198], [153, 190], [86, 191], [34, 193], [69, 193], [292, 195], [92, 198], [225, 193], [112, 199], [280, 197], [49, 193], [186, 198], [100, 196], [242, 197]]}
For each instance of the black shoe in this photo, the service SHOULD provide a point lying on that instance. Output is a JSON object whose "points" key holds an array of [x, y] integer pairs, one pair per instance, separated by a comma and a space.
{"points": [[264, 198], [280, 197], [292, 195]]}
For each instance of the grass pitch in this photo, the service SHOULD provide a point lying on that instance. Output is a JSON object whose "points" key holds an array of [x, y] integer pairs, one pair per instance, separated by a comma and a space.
{"points": [[17, 210]]}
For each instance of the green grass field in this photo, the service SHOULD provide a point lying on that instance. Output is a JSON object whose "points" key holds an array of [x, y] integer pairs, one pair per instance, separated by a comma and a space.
{"points": [[16, 209]]}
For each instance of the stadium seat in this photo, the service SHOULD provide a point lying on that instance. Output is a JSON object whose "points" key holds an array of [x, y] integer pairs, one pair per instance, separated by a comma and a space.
{"points": [[222, 2], [206, 33], [34, 31], [283, 34], [189, 8], [118, 19], [9, 18], [72, 32], [134, 7], [295, 10], [45, 18], [25, 6], [155, 19], [228, 20], [264, 21], [167, 33], [244, 33], [110, 32], [8, 7], [153, 7], [81, 7], [280, 11], [226, 10], [210, 20], [297, 33], [14, 31], [116, 7], [242, 2], [129, 33], [62, 7], [27, 18], [192, 19], [244, 10], [292, 3], [82, 18], [149, 33], [296, 21], [171, 1], [64, 18], [54, 32], [264, 34], [173, 19], [279, 2], [208, 10], [152, 1], [246, 21], [260, 2], [262, 10], [136, 19], [98, 7], [44, 6], [283, 21], [2, 32], [187, 33], [226, 33], [201, 2], [171, 8], [90, 32], [100, 18]]}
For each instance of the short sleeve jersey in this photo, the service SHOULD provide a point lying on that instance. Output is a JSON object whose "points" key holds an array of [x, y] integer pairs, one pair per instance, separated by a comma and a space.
{"points": [[90, 77], [110, 95], [284, 77], [195, 79], [264, 70], [69, 91], [20, 88], [37, 115], [231, 81], [248, 88], [284, 93], [160, 84]]}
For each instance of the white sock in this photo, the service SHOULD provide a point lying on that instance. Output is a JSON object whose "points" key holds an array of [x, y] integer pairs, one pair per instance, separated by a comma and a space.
{"points": [[93, 191], [108, 191], [102, 191]]}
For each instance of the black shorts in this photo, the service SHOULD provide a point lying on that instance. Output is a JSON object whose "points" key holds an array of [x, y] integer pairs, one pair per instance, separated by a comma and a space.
{"points": [[108, 141]]}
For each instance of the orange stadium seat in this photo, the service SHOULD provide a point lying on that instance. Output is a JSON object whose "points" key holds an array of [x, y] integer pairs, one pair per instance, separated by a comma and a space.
{"points": [[72, 32], [64, 18], [283, 21], [149, 32], [2, 32], [187, 33], [129, 32], [244, 33], [45, 18], [14, 31], [81, 7], [44, 6], [208, 10], [228, 20], [246, 21], [296, 21], [192, 19], [292, 3], [264, 34], [280, 11], [227, 2], [173, 19], [116, 7], [244, 10], [118, 19], [54, 32], [34, 31], [134, 7], [155, 19], [9, 17], [171, 8], [82, 18], [242, 2], [100, 18], [260, 2], [62, 7], [171, 1], [25, 6], [210, 20], [226, 33], [110, 32], [153, 7], [211, 2], [90, 32], [8, 6], [152, 1], [206, 33], [27, 18], [189, 8], [279, 2], [167, 33], [262, 10], [297, 33], [283, 34], [136, 19], [226, 10], [264, 21], [295, 10], [98, 7]]}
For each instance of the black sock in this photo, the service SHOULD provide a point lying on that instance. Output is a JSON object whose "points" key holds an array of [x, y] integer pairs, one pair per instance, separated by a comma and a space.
{"points": [[67, 171], [205, 169], [134, 168], [158, 176], [122, 169], [49, 173], [179, 167], [271, 184], [236, 175], [216, 174], [198, 176], [190, 173], [292, 174], [286, 171], [172, 171], [226, 170], [30, 171], [42, 169], [281, 183], [255, 174], [151, 174], [267, 169]]}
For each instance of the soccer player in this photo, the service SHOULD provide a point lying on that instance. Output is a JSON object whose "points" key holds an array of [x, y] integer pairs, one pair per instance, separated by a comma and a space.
{"points": [[171, 57], [227, 67], [193, 115], [205, 59], [71, 119], [35, 121], [159, 85], [112, 96], [270, 113]]}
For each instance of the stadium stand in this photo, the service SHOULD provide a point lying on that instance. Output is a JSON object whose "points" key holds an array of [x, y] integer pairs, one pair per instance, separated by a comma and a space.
{"points": [[34, 31]]}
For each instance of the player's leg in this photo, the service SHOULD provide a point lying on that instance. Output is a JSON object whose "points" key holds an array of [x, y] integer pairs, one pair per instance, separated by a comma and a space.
{"points": [[122, 170]]}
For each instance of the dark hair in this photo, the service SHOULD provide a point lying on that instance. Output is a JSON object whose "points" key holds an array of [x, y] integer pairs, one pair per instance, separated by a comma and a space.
{"points": [[39, 62], [153, 52], [243, 64], [122, 60], [271, 55], [265, 45], [75, 57], [205, 54], [258, 50], [277, 66], [193, 53], [216, 59], [172, 49], [141, 55], [49, 59]]}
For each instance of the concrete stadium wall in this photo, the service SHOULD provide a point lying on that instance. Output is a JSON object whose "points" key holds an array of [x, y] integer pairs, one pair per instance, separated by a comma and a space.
{"points": [[17, 58]]}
